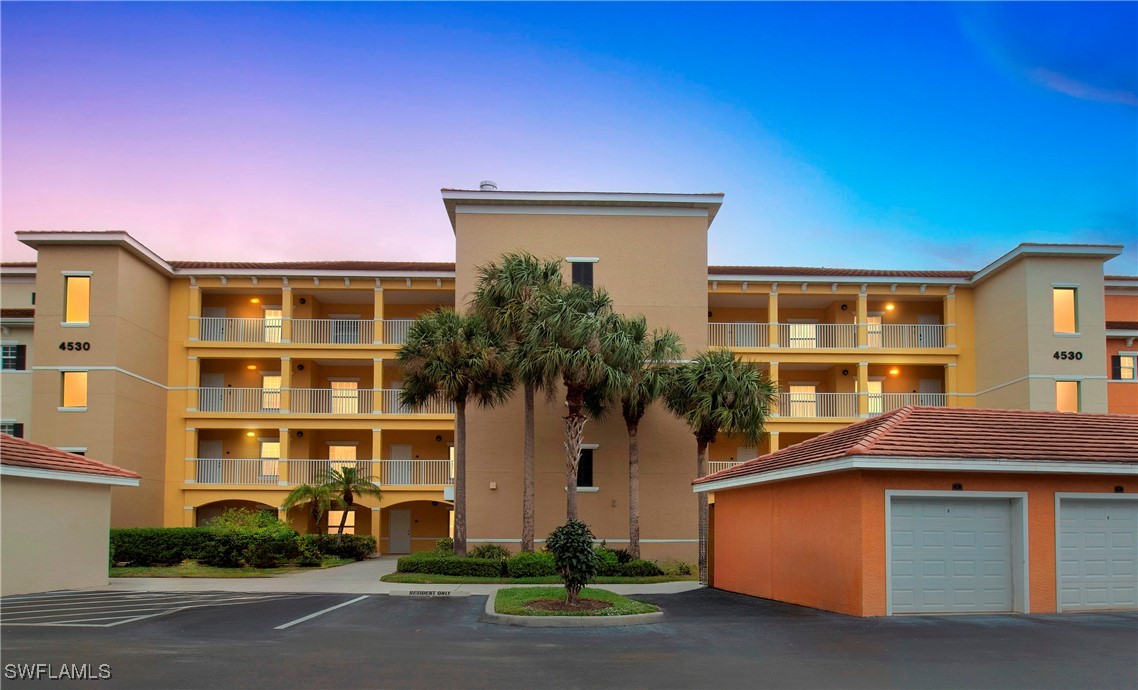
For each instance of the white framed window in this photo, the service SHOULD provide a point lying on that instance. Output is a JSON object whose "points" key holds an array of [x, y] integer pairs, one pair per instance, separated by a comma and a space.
{"points": [[73, 393], [803, 399], [1067, 396], [345, 397], [1124, 366], [13, 357], [270, 457], [1064, 305], [803, 334], [274, 317], [874, 330], [12, 428], [334, 517], [271, 390], [77, 299]]}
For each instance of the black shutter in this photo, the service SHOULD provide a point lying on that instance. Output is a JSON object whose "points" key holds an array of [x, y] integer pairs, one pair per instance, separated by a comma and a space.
{"points": [[583, 274], [21, 357], [18, 430], [585, 468], [1116, 367]]}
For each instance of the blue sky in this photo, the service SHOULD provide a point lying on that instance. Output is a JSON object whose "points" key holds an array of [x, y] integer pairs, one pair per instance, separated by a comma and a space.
{"points": [[887, 135]]}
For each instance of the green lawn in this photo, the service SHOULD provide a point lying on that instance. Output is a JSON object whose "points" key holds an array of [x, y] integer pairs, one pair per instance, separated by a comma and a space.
{"points": [[512, 601], [427, 579], [194, 569]]}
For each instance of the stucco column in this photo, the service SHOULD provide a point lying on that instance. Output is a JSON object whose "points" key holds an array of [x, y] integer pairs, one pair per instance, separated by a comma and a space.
{"points": [[193, 381], [282, 464], [950, 318], [377, 386], [377, 325], [377, 454], [286, 314], [195, 312], [772, 441], [863, 389], [862, 318], [772, 372], [950, 385], [191, 452], [188, 519], [286, 384], [377, 527], [772, 317]]}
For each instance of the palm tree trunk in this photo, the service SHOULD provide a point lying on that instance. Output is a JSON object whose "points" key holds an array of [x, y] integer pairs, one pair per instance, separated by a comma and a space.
{"points": [[460, 478], [701, 471], [343, 520], [574, 433], [527, 474], [633, 491]]}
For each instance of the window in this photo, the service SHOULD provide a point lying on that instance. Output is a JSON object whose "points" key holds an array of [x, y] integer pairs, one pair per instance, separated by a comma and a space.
{"points": [[75, 389], [270, 457], [12, 429], [1124, 367], [274, 317], [582, 270], [803, 335], [875, 388], [875, 331], [271, 391], [803, 400], [77, 299], [13, 357], [345, 397], [334, 518], [341, 455], [585, 468], [1064, 303], [1067, 396]]}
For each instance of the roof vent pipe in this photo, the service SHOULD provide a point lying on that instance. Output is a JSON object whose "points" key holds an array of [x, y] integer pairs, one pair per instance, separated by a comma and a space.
{"points": [[488, 186]]}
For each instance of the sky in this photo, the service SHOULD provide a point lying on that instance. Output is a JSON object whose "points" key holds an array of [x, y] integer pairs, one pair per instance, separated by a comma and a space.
{"points": [[891, 135]]}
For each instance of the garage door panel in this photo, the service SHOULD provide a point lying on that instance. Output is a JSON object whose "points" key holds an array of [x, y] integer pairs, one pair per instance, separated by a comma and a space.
{"points": [[1098, 553], [950, 554]]}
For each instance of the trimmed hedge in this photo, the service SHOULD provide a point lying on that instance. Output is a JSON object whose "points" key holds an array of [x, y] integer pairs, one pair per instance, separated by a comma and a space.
{"points": [[449, 565], [639, 568], [531, 565], [354, 546], [158, 545]]}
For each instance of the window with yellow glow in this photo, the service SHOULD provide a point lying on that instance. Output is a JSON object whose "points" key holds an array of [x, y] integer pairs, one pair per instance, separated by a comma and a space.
{"points": [[270, 458], [1067, 396], [334, 518], [1066, 315], [77, 299], [74, 389], [270, 391], [345, 397]]}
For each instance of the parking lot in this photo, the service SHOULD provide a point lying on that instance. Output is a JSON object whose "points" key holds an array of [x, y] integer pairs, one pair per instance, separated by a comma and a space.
{"points": [[709, 639]]}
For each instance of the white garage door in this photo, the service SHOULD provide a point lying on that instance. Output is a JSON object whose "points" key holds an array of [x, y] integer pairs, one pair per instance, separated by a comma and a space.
{"points": [[950, 555], [1098, 552]]}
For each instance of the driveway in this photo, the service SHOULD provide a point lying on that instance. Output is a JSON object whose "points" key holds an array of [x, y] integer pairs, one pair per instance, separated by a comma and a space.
{"points": [[710, 639]]}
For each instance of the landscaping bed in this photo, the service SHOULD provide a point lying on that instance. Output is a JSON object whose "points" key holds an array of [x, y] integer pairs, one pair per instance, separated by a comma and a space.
{"points": [[195, 569], [431, 579], [550, 601]]}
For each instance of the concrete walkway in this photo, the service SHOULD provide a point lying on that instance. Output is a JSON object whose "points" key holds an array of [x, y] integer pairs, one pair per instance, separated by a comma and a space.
{"points": [[354, 578]]}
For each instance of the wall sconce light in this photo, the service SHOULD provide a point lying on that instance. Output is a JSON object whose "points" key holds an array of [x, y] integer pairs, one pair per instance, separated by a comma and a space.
{"points": [[958, 487], [1118, 490], [845, 372], [300, 434], [434, 503], [709, 315], [845, 307], [302, 300], [300, 367], [438, 438], [250, 434]]}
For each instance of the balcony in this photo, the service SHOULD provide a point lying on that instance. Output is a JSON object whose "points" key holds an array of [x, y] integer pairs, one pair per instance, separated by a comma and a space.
{"points": [[714, 466], [304, 331], [825, 336], [845, 405], [322, 401], [254, 471]]}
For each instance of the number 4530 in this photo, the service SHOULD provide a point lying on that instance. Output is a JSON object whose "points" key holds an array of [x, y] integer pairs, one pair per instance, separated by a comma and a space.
{"points": [[75, 345], [1067, 354]]}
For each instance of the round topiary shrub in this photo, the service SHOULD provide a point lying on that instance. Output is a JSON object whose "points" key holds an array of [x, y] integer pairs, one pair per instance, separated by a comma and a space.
{"points": [[572, 547]]}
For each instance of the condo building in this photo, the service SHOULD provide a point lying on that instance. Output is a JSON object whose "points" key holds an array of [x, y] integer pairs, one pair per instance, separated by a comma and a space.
{"points": [[226, 384]]}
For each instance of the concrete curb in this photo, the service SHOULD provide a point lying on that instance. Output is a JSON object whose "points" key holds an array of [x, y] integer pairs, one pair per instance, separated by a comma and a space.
{"points": [[489, 616]]}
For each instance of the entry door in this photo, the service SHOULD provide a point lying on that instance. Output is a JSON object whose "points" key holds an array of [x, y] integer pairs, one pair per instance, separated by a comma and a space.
{"points": [[950, 555], [212, 392], [213, 324], [931, 392], [929, 336], [209, 461], [1098, 553], [401, 467], [399, 531]]}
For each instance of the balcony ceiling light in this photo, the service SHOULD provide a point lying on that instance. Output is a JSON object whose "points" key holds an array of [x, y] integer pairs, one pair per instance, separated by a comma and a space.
{"points": [[889, 307], [894, 371], [251, 367], [256, 300]]}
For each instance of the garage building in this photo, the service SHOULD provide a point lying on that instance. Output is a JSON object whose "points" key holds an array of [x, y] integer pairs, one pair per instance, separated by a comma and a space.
{"points": [[937, 510]]}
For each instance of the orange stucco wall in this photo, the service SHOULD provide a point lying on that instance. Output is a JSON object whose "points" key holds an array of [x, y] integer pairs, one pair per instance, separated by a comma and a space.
{"points": [[820, 541]]}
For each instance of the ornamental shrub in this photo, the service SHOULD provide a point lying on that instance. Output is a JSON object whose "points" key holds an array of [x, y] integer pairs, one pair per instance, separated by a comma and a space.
{"points": [[572, 548], [308, 555], [676, 568], [354, 546], [157, 545], [489, 551], [608, 564], [531, 565], [639, 568], [448, 565], [444, 546]]}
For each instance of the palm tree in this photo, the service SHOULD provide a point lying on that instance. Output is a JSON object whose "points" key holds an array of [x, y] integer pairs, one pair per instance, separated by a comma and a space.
{"points": [[346, 483], [575, 338], [459, 359], [507, 298], [647, 375], [320, 498], [718, 392]]}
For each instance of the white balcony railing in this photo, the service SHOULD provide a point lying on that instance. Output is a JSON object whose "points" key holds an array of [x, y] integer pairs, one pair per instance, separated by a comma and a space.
{"points": [[391, 404], [304, 331], [232, 330], [395, 330], [887, 402], [817, 405], [826, 336], [311, 471], [236, 471], [415, 472], [334, 331], [246, 400], [717, 465], [336, 401]]}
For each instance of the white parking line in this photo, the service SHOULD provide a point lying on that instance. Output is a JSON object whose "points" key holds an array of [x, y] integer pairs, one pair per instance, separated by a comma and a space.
{"points": [[319, 613], [93, 611]]}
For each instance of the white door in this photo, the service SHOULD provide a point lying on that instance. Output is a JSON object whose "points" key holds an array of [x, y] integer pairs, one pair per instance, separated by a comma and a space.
{"points": [[1098, 552], [209, 461], [399, 531], [400, 467], [929, 332], [931, 392], [950, 555], [213, 323], [211, 393], [345, 328]]}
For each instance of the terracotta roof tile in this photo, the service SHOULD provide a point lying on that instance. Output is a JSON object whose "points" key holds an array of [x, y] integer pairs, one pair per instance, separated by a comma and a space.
{"points": [[320, 265], [1122, 325], [21, 453], [812, 271], [940, 432], [17, 313]]}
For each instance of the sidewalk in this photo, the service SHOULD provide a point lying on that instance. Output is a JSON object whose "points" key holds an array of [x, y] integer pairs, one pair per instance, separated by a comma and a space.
{"points": [[354, 578]]}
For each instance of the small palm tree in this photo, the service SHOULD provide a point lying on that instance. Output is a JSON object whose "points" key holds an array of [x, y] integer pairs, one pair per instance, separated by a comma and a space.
{"points": [[320, 499], [345, 483], [507, 297], [655, 356], [459, 359], [576, 338], [718, 392]]}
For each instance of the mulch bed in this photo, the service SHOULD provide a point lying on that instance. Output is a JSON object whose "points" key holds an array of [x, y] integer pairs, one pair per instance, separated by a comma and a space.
{"points": [[560, 605]]}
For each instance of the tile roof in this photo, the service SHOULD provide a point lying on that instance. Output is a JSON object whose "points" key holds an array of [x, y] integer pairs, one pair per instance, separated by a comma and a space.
{"points": [[1122, 325], [320, 265], [810, 271], [17, 264], [941, 432], [17, 313], [18, 452]]}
